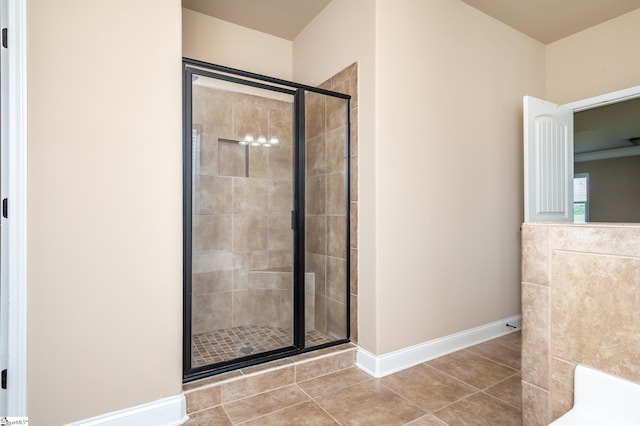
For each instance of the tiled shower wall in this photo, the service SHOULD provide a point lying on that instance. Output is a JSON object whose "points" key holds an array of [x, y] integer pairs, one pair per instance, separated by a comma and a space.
{"points": [[242, 250], [239, 253], [580, 305], [326, 203]]}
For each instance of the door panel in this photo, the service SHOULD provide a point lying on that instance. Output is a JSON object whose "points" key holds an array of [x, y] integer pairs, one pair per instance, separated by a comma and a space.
{"points": [[241, 235], [548, 161]]}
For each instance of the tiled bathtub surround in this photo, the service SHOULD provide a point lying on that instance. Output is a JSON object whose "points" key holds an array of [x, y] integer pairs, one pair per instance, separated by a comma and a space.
{"points": [[580, 305]]}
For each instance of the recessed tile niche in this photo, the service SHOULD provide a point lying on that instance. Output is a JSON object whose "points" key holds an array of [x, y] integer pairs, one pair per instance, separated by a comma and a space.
{"points": [[233, 158]]}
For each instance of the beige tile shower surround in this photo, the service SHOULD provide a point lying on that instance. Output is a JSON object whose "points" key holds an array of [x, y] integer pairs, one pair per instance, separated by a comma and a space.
{"points": [[326, 132], [242, 257], [241, 222], [580, 305], [241, 262]]}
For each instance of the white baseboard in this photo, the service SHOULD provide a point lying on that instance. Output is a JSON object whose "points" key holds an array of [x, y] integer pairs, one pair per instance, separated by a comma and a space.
{"points": [[383, 365], [169, 411]]}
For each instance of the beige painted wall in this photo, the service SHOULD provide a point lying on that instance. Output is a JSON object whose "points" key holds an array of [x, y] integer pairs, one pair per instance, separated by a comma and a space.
{"points": [[449, 89], [216, 41], [104, 159], [440, 201], [599, 60]]}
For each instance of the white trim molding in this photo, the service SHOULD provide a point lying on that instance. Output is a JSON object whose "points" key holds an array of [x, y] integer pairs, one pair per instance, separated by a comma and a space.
{"points": [[16, 190], [169, 411], [383, 365], [607, 98]]}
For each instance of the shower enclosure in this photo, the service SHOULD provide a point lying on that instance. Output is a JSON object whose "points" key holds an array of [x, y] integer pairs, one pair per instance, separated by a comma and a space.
{"points": [[266, 218]]}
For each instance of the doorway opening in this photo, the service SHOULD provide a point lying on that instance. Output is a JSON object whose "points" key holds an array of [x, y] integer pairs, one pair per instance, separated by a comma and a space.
{"points": [[266, 219], [549, 158], [607, 149]]}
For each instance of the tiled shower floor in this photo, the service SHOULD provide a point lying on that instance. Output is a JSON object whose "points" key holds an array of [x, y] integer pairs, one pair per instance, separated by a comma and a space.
{"points": [[235, 342]]}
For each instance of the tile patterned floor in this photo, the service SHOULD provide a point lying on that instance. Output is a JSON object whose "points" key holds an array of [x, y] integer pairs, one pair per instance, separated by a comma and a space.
{"points": [[235, 342], [476, 386]]}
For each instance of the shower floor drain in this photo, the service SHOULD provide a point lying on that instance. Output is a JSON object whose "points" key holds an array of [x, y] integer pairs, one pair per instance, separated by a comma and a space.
{"points": [[246, 350]]}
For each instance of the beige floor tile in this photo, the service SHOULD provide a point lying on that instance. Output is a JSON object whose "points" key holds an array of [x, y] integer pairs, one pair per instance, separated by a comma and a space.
{"points": [[472, 369], [201, 399], [479, 410], [264, 403], [334, 382], [514, 338], [427, 420], [306, 413], [509, 391], [369, 403], [500, 351], [213, 416], [427, 388]]}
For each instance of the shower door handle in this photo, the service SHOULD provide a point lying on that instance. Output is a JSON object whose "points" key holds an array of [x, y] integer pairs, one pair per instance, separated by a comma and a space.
{"points": [[293, 220]]}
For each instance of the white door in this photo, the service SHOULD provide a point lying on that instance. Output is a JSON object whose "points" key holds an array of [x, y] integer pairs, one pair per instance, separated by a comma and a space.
{"points": [[13, 230], [548, 161], [4, 311]]}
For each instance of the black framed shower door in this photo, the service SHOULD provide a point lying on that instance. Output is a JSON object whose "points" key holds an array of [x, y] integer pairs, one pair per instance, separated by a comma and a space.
{"points": [[266, 218]]}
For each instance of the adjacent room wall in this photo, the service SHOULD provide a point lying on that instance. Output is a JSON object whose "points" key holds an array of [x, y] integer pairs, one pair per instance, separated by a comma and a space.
{"points": [[449, 87], [599, 60], [219, 42], [614, 194], [105, 238]]}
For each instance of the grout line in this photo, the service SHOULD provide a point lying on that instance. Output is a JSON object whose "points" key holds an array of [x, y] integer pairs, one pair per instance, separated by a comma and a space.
{"points": [[501, 401], [455, 402], [274, 412], [502, 381], [489, 359], [404, 398], [258, 394], [452, 376]]}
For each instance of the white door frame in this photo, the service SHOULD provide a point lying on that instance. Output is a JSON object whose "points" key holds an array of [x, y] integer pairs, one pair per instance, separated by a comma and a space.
{"points": [[607, 98], [14, 188]]}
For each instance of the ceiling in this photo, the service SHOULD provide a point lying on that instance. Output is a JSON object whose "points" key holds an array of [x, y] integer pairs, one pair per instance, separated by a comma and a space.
{"points": [[544, 20], [281, 18], [550, 20]]}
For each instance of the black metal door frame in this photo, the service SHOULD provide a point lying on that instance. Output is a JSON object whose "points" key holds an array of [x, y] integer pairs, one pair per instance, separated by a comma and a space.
{"points": [[198, 68]]}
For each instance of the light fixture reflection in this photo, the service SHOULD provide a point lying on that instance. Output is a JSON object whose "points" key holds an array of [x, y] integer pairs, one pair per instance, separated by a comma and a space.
{"points": [[247, 139], [261, 141]]}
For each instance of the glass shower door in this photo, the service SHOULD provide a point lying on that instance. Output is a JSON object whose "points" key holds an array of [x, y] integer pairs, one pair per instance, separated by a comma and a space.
{"points": [[242, 176], [266, 219]]}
